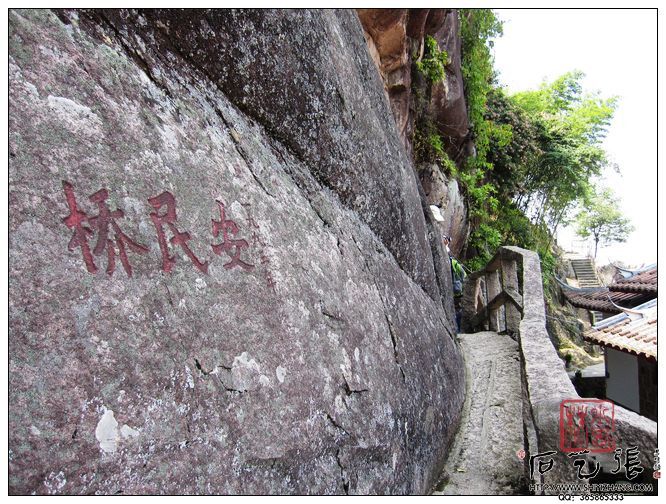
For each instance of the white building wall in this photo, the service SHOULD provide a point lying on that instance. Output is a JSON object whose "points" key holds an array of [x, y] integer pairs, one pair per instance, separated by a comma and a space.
{"points": [[622, 380]]}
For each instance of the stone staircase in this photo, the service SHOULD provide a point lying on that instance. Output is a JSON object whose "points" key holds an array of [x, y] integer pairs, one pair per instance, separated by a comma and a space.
{"points": [[585, 271], [586, 274]]}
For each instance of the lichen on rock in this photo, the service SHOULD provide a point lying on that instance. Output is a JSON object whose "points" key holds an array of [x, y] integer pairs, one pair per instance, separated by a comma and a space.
{"points": [[303, 348]]}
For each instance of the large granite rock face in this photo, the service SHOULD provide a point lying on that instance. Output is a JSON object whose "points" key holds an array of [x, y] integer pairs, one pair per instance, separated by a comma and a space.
{"points": [[318, 93], [220, 279], [395, 39]]}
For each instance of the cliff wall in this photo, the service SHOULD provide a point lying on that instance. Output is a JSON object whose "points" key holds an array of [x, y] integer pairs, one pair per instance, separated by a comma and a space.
{"points": [[395, 39], [221, 275]]}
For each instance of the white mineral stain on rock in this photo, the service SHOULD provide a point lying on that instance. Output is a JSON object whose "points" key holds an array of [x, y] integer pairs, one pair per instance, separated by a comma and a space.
{"points": [[236, 208], [35, 431], [75, 116], [189, 383], [346, 358], [280, 372], [169, 137], [199, 284], [126, 431], [357, 354], [245, 372], [333, 337], [55, 482], [304, 311], [222, 435], [264, 380], [339, 405], [107, 432], [31, 88]]}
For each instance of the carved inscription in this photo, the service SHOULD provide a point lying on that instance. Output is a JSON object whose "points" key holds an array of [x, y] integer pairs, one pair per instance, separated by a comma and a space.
{"points": [[111, 239], [181, 239], [230, 246], [103, 222]]}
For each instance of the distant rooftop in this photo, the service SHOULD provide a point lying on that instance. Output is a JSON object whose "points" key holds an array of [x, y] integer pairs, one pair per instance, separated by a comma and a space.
{"points": [[644, 281], [633, 331], [604, 300], [638, 288]]}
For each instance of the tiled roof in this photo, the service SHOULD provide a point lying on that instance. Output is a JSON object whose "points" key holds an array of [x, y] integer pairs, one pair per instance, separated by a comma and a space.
{"points": [[645, 281], [603, 299], [630, 332]]}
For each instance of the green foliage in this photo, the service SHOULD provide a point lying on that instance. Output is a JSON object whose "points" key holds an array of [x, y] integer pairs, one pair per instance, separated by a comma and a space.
{"points": [[536, 151], [543, 169], [429, 147], [568, 128], [602, 220], [433, 62], [486, 239], [477, 29], [511, 159]]}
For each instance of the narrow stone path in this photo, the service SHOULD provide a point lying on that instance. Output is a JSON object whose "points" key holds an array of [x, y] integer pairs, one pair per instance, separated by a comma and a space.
{"points": [[483, 459]]}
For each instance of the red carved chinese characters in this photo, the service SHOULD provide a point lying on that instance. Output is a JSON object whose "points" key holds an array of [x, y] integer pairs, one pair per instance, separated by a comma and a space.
{"points": [[75, 220], [227, 227], [102, 222], [169, 218], [105, 219], [112, 240]]}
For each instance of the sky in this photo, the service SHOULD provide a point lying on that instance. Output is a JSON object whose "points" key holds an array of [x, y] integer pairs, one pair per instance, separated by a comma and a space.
{"points": [[617, 51]]}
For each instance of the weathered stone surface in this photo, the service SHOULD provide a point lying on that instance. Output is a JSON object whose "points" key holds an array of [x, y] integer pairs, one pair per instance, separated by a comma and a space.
{"points": [[318, 93], [395, 38], [447, 101], [386, 34], [445, 194], [388, 31], [326, 368], [483, 457]]}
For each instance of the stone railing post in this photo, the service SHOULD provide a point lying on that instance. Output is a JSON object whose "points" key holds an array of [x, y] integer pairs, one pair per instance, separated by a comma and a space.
{"points": [[470, 289], [510, 285], [494, 288]]}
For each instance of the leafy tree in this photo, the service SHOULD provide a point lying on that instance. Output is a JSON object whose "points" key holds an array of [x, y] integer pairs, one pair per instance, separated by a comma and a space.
{"points": [[570, 126], [478, 28], [535, 151], [511, 159], [602, 220]]}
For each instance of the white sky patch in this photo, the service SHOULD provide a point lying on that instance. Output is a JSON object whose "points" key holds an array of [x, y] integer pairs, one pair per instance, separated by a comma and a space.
{"points": [[617, 51]]}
